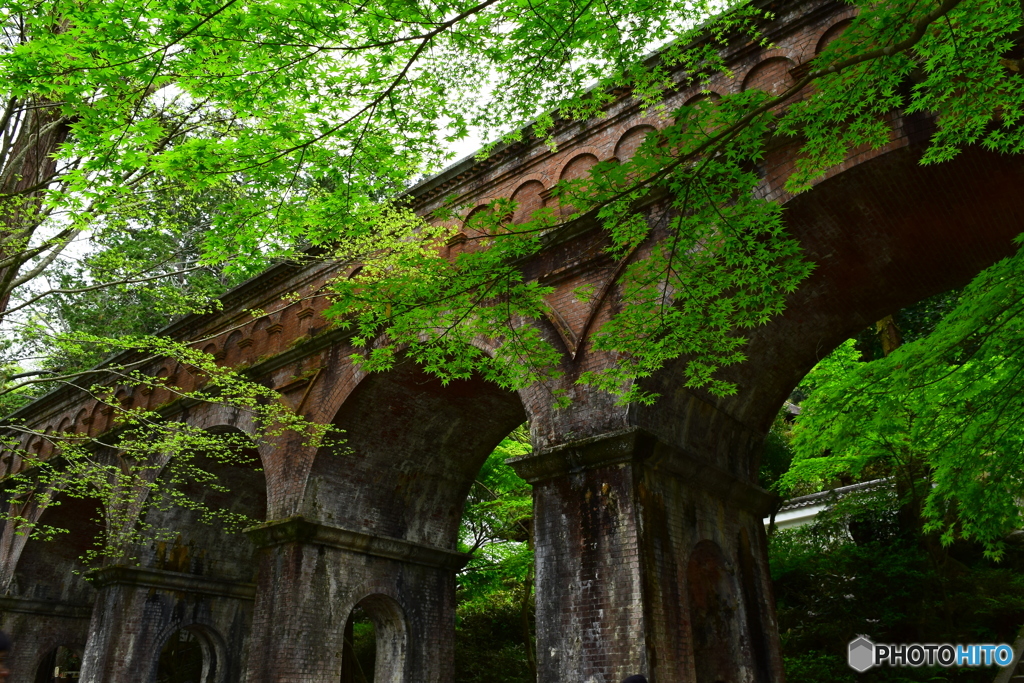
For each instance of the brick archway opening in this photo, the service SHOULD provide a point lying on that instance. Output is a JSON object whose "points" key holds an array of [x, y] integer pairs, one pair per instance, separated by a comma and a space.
{"points": [[883, 234], [192, 654], [393, 497], [60, 663], [376, 642], [413, 447]]}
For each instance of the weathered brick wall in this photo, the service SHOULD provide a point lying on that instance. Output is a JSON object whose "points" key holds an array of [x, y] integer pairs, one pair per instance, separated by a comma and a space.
{"points": [[191, 574], [132, 621], [618, 520], [590, 602], [312, 576], [38, 633]]}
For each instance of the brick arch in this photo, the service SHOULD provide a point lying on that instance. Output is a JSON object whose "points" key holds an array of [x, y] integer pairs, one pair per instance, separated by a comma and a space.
{"points": [[162, 385], [831, 34], [232, 351], [44, 569], [46, 443], [35, 568], [831, 31], [530, 197], [78, 425], [877, 249], [577, 164], [482, 207], [712, 95], [771, 74], [627, 145], [217, 417], [45, 657], [461, 241], [420, 442], [334, 391], [576, 168], [383, 604], [211, 641], [98, 421]]}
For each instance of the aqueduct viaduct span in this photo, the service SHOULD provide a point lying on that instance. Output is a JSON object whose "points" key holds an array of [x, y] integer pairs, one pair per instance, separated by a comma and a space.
{"points": [[649, 544]]}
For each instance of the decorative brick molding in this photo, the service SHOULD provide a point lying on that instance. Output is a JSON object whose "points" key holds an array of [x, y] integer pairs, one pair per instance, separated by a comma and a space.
{"points": [[161, 579], [297, 529], [48, 608], [599, 451], [636, 445]]}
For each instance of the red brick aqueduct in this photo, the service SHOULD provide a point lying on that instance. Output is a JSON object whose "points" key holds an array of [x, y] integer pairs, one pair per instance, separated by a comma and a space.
{"points": [[650, 549]]}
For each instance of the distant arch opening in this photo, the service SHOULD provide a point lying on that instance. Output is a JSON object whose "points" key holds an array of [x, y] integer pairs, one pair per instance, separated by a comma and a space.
{"points": [[60, 664], [423, 443], [189, 655], [376, 642], [495, 608]]}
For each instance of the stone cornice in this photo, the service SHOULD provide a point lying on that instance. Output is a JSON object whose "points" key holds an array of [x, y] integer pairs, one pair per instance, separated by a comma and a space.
{"points": [[300, 530], [49, 608], [162, 579], [637, 446], [614, 448]]}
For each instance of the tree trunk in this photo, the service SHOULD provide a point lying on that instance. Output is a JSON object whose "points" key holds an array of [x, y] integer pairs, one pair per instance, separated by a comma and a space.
{"points": [[29, 167]]}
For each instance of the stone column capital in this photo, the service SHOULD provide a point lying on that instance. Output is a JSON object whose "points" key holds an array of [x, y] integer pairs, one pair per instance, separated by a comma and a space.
{"points": [[638, 446]]}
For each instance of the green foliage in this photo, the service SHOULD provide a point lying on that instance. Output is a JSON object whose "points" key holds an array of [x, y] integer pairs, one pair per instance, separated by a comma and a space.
{"points": [[913, 322], [135, 277], [496, 526], [830, 588], [254, 105], [363, 647], [493, 636], [943, 414], [146, 460], [777, 455], [718, 260], [489, 644]]}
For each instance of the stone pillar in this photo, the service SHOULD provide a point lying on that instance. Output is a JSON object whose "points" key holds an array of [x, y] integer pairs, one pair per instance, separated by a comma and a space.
{"points": [[648, 561], [138, 609], [312, 575]]}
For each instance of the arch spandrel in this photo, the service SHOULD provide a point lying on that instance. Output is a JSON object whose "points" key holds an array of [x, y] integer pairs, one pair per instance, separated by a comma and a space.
{"points": [[184, 541], [45, 569]]}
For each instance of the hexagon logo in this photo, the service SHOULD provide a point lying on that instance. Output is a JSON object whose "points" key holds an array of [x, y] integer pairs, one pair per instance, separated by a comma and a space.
{"points": [[861, 656]]}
